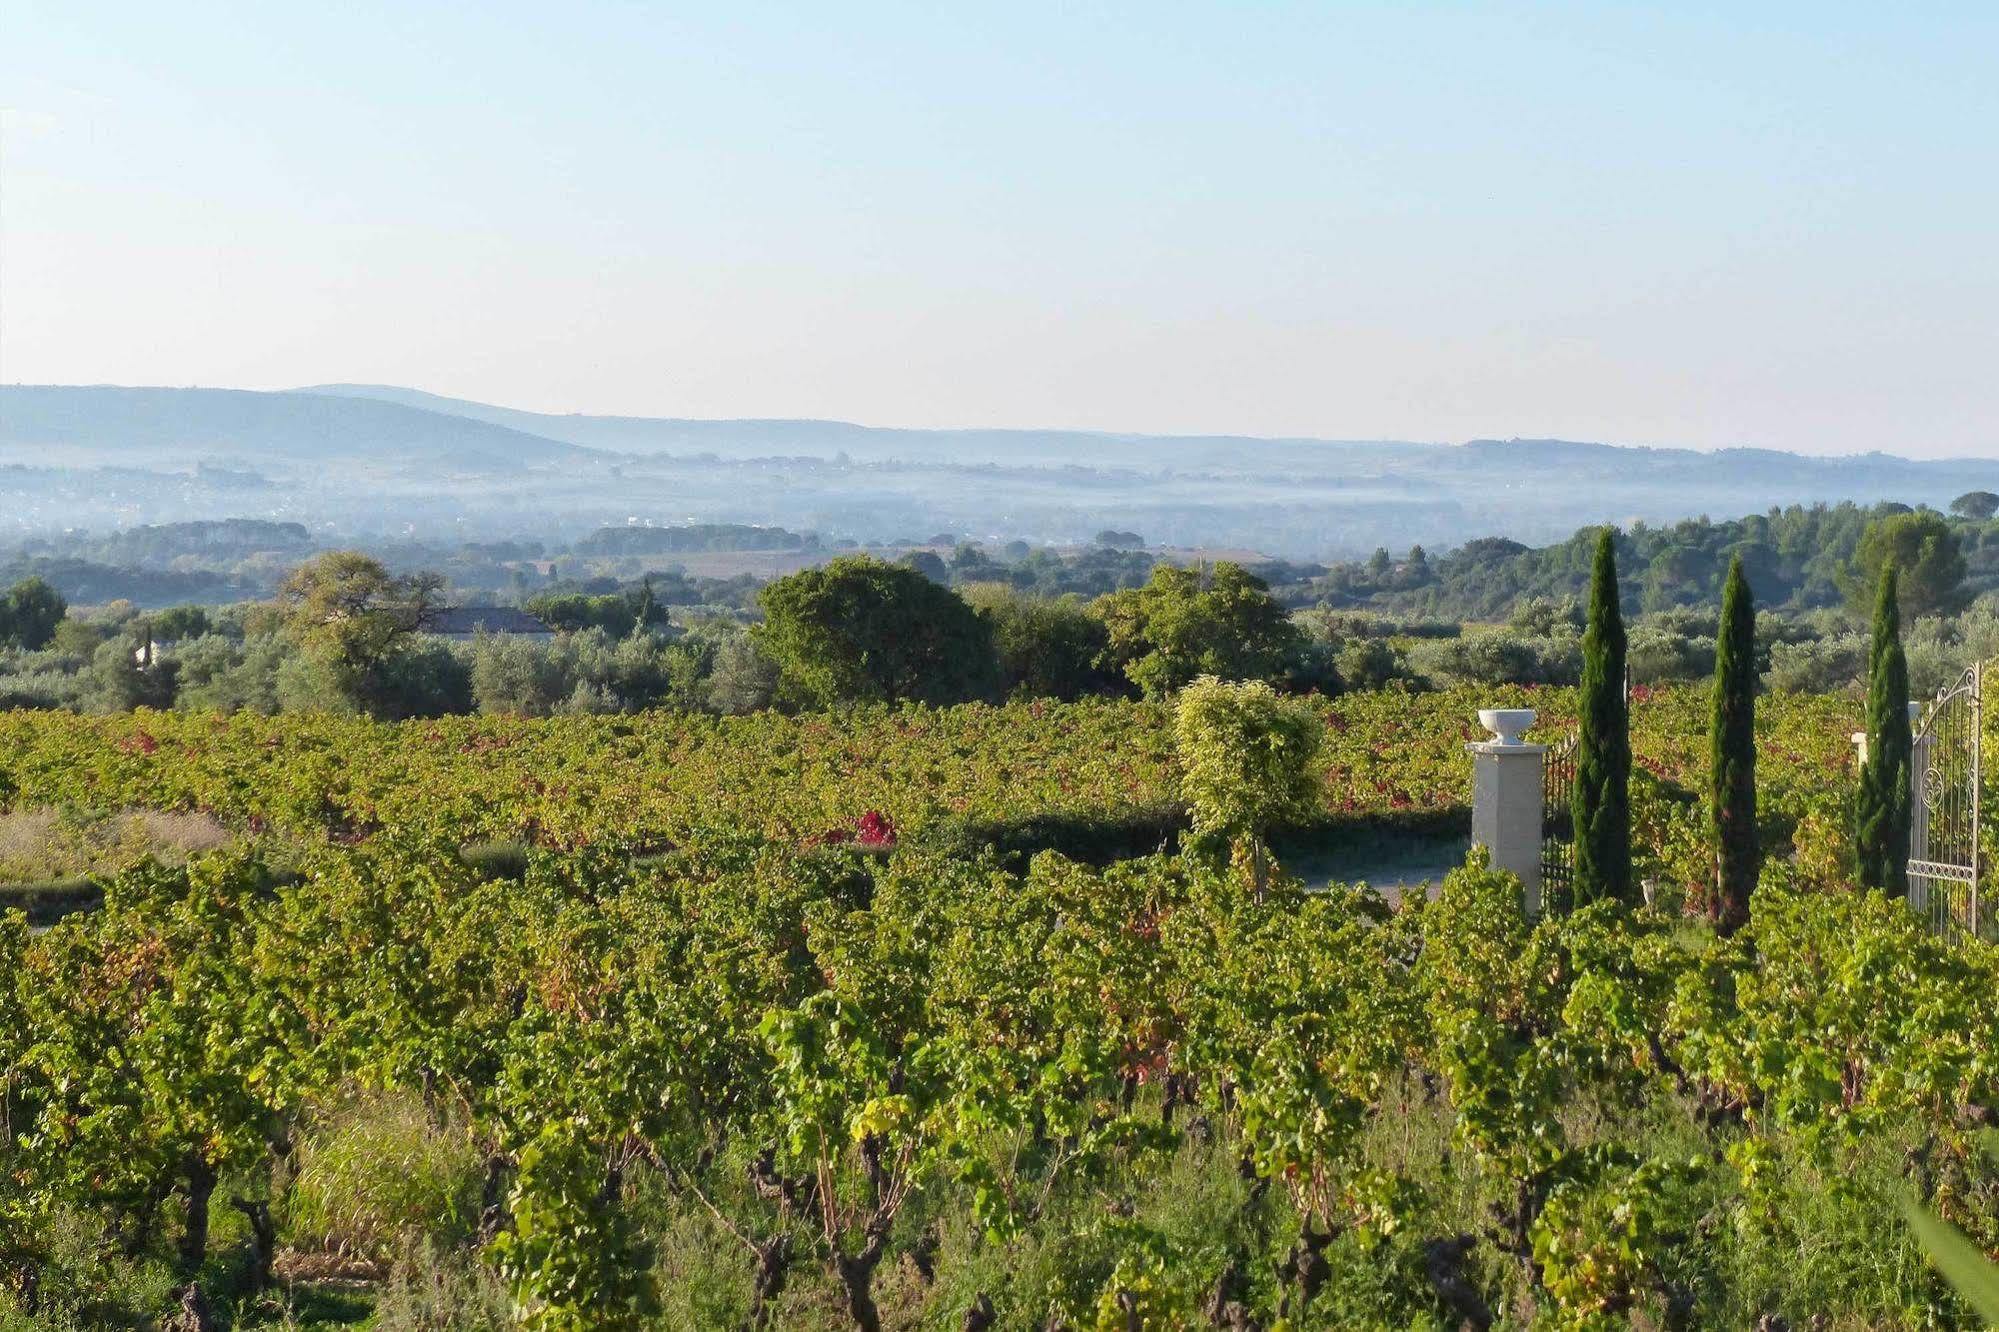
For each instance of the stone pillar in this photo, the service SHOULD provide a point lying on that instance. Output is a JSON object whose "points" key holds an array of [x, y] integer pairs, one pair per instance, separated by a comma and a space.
{"points": [[1506, 798]]}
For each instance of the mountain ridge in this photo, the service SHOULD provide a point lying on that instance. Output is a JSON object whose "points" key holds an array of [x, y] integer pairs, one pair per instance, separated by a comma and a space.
{"points": [[384, 459]]}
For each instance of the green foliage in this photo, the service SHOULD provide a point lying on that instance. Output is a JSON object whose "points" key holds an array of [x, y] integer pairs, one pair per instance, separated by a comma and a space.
{"points": [[1977, 505], [1048, 647], [860, 630], [356, 623], [1732, 758], [1187, 623], [1602, 800], [1600, 1245], [1881, 805], [1832, 1015], [123, 678], [373, 1174], [30, 612], [1925, 554], [616, 613], [1247, 757], [1493, 657], [572, 1257], [349, 610], [1974, 1274], [178, 622], [1796, 557], [743, 1078]]}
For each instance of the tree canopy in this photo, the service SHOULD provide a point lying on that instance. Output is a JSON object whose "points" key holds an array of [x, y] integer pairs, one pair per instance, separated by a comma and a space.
{"points": [[859, 629], [1978, 505], [1929, 565], [1185, 623], [30, 613], [351, 610]]}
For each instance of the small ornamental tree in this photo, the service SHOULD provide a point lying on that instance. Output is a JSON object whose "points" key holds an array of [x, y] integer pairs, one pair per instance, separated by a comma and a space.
{"points": [[1881, 807], [1732, 770], [1602, 801], [1247, 759]]}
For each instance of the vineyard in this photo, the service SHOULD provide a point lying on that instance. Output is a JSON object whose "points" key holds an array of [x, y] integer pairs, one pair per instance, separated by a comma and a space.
{"points": [[1098, 769], [932, 1018]]}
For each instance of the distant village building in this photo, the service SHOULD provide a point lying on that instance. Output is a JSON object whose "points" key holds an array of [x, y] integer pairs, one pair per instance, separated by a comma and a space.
{"points": [[464, 623]]}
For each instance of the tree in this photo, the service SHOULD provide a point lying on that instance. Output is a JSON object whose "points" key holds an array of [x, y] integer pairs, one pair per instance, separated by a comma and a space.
{"points": [[355, 621], [30, 613], [1181, 625], [1602, 801], [1732, 750], [1924, 552], [178, 622], [1048, 646], [350, 610], [858, 629], [1977, 505], [928, 563], [1881, 807], [646, 610], [1416, 569], [742, 679], [1247, 762], [124, 676]]}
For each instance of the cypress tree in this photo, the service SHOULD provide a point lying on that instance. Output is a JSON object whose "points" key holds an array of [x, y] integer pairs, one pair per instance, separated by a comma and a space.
{"points": [[1732, 769], [1602, 801], [1881, 809]]}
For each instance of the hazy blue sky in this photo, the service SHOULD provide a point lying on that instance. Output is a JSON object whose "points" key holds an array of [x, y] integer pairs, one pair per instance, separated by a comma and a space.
{"points": [[1770, 223]]}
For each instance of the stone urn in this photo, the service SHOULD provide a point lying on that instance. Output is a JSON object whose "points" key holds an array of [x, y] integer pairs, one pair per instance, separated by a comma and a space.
{"points": [[1506, 724]]}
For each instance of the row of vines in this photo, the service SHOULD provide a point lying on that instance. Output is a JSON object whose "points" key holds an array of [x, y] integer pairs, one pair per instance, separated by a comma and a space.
{"points": [[897, 1087], [1099, 768]]}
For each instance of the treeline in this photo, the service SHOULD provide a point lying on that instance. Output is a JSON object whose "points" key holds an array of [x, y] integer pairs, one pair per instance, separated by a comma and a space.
{"points": [[1799, 558], [831, 644], [160, 544], [348, 634], [690, 538]]}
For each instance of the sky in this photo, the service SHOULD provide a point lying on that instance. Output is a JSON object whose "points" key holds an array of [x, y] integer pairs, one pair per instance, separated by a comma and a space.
{"points": [[1680, 224]]}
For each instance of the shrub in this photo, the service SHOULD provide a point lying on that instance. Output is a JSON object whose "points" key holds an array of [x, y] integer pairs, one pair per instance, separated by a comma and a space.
{"points": [[1500, 657], [1823, 666], [1659, 655]]}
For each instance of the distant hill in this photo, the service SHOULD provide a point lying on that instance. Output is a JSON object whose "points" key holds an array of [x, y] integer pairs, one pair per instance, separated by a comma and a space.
{"points": [[397, 463], [127, 425], [760, 438]]}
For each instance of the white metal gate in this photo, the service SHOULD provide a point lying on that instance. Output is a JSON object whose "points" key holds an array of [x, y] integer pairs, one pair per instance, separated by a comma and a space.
{"points": [[1944, 851]]}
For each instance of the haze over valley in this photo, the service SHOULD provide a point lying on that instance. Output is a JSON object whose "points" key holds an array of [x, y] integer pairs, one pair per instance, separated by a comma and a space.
{"points": [[362, 462]]}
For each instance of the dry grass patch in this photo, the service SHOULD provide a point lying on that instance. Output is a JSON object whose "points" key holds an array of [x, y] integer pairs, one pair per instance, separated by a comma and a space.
{"points": [[45, 843]]}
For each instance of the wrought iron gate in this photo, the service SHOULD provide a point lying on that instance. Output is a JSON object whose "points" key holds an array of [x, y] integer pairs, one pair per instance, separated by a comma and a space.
{"points": [[1944, 852], [1558, 829]]}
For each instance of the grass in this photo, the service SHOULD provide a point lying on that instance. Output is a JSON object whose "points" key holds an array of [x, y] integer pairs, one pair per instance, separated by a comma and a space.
{"points": [[374, 1171], [42, 844]]}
